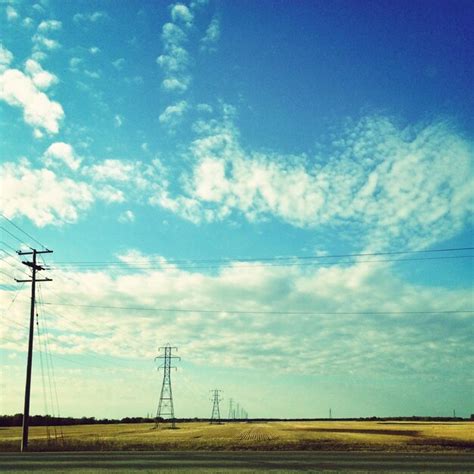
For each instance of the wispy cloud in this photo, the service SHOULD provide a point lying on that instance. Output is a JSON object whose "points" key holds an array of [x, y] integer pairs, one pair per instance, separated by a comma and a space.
{"points": [[173, 114], [11, 13], [393, 188], [126, 217], [93, 17], [210, 39]]}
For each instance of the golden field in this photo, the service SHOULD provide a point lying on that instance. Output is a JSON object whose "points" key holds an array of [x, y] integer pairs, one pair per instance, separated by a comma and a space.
{"points": [[280, 435]]}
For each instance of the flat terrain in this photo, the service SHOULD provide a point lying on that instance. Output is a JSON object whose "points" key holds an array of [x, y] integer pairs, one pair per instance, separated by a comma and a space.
{"points": [[379, 436], [241, 462]]}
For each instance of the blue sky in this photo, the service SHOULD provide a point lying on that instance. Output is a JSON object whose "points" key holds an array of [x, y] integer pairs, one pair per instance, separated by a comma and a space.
{"points": [[156, 134]]}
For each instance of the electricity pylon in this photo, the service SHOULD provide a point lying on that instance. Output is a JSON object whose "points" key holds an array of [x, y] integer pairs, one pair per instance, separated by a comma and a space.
{"points": [[34, 279], [216, 414], [165, 405]]}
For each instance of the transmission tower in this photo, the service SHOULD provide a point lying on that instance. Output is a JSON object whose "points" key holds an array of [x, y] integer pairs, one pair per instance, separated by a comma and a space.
{"points": [[216, 414], [34, 268], [165, 405], [231, 401]]}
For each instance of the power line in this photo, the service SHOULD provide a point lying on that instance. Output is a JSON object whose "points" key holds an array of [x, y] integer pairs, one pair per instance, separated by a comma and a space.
{"points": [[9, 246], [233, 311], [21, 230], [12, 235], [252, 265], [260, 259]]}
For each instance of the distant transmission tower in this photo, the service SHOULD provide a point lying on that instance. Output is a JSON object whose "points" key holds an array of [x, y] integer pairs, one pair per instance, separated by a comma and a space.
{"points": [[165, 405], [231, 401], [216, 414]]}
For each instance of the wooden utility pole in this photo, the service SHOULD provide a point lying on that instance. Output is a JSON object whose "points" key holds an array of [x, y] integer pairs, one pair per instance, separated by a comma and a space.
{"points": [[34, 268]]}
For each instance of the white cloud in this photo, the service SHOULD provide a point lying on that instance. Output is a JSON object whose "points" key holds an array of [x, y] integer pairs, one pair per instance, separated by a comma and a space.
{"points": [[337, 344], [28, 22], [175, 60], [126, 217], [6, 57], [176, 85], [210, 39], [90, 17], [119, 64], [49, 25], [61, 152], [412, 192], [11, 13], [44, 42], [180, 12], [173, 114], [118, 121], [42, 79], [74, 63], [41, 195], [92, 74], [19, 90], [94, 50]]}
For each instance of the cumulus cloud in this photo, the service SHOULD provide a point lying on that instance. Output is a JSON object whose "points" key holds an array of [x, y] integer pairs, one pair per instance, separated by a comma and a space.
{"points": [[6, 57], [41, 195], [394, 185], [49, 25], [181, 13], [43, 42], [173, 114], [41, 79], [174, 61], [20, 90], [250, 302], [61, 153]]}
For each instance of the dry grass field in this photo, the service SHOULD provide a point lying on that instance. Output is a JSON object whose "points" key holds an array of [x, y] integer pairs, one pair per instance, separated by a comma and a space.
{"points": [[321, 435]]}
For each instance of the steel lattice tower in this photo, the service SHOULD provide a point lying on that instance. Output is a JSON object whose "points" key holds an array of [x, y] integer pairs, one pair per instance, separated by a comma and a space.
{"points": [[216, 414], [165, 405]]}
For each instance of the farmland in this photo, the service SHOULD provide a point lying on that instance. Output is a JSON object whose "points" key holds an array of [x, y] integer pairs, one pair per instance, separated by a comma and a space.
{"points": [[332, 435]]}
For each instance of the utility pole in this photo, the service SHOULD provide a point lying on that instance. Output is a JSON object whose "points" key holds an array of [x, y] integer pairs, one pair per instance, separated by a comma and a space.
{"points": [[216, 415], [330, 414], [34, 268], [231, 401], [165, 405]]}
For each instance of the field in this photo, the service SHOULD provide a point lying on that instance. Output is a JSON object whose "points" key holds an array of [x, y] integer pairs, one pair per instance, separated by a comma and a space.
{"points": [[291, 436]]}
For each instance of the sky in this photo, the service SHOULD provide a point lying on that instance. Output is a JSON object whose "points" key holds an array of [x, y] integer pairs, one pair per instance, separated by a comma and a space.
{"points": [[282, 190]]}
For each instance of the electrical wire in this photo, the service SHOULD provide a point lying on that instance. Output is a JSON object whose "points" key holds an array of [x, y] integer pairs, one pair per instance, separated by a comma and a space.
{"points": [[21, 230], [173, 266], [13, 235], [260, 259], [234, 311]]}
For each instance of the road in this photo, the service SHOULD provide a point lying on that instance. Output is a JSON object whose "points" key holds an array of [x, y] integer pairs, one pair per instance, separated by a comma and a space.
{"points": [[213, 462]]}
